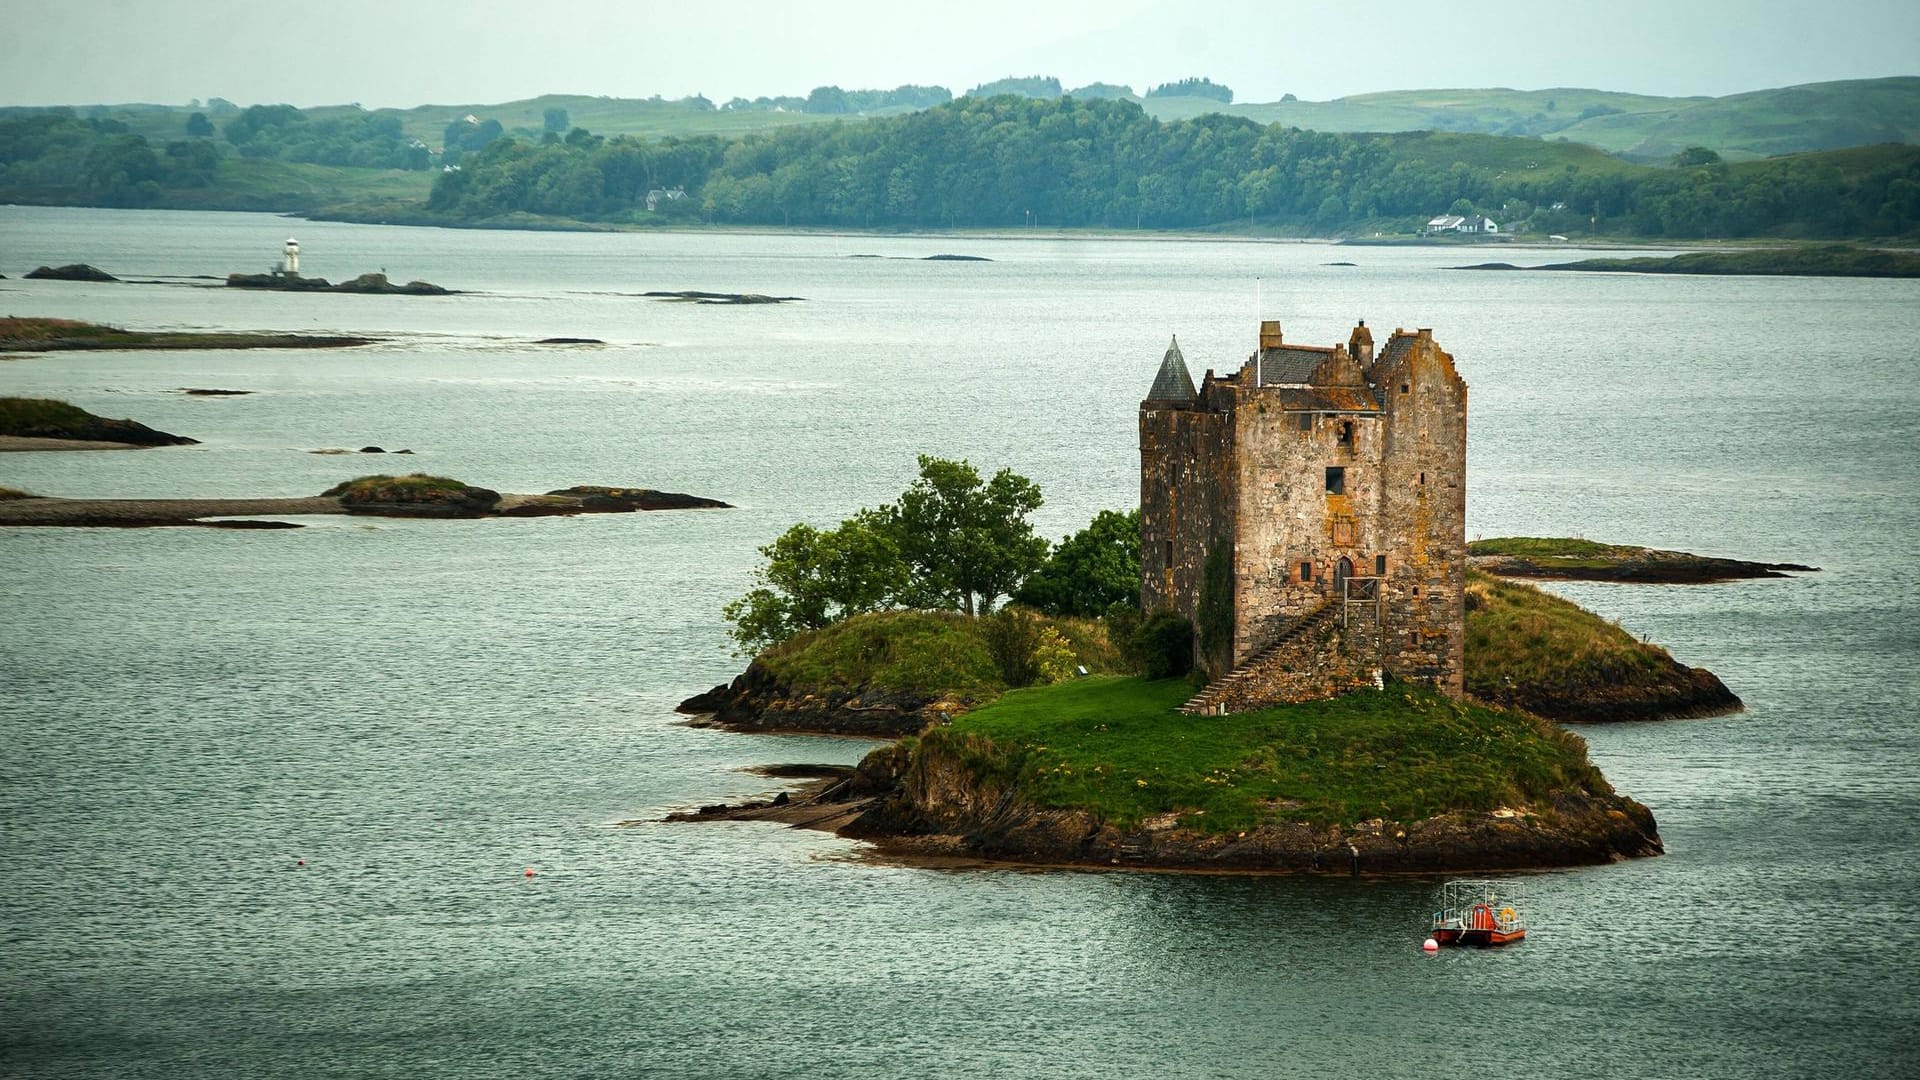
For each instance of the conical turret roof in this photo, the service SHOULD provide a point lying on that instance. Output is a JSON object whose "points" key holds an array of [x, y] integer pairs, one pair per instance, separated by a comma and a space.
{"points": [[1173, 383]]}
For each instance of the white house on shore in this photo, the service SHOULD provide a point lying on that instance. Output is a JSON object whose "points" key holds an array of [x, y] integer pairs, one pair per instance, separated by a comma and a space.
{"points": [[1471, 225]]}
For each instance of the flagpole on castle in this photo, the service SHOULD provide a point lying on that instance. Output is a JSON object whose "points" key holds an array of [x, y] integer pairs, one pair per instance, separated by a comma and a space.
{"points": [[1256, 330]]}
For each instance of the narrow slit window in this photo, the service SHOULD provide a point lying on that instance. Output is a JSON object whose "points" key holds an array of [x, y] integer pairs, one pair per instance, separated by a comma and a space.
{"points": [[1379, 566], [1413, 639], [1336, 480], [1423, 478], [1306, 571], [1169, 554], [1416, 590]]}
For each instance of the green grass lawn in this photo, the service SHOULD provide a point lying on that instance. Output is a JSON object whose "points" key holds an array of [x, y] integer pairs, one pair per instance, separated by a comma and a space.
{"points": [[1117, 747], [1549, 547]]}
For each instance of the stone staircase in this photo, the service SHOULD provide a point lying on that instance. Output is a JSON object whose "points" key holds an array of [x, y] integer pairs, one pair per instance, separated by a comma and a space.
{"points": [[1214, 695]]}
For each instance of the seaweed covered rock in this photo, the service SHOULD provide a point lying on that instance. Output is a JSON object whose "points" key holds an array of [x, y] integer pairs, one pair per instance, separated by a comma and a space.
{"points": [[413, 495]]}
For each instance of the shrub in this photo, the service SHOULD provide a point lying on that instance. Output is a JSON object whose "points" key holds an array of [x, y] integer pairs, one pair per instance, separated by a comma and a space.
{"points": [[1161, 646], [1013, 638]]}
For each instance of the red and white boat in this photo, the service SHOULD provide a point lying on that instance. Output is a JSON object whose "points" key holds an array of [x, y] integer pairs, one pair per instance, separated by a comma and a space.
{"points": [[1479, 913]]}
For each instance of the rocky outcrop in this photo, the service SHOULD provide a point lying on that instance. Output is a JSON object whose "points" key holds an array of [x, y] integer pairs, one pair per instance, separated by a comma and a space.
{"points": [[594, 499], [1640, 566], [694, 296], [365, 283], [24, 418], [929, 801], [759, 700], [408, 500], [70, 272], [1674, 692]]}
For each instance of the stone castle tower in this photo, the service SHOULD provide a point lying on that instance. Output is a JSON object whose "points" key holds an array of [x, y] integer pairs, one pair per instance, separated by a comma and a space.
{"points": [[1308, 513]]}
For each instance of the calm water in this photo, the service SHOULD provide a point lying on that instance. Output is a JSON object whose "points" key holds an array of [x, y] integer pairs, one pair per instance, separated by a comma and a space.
{"points": [[423, 710]]}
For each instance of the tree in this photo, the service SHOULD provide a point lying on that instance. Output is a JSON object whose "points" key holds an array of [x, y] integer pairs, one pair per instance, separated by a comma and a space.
{"points": [[555, 121], [813, 578], [1695, 155], [826, 99], [198, 124], [1089, 571], [966, 542]]}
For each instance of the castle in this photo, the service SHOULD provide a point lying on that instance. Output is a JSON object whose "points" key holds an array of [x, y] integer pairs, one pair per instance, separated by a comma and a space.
{"points": [[1308, 513]]}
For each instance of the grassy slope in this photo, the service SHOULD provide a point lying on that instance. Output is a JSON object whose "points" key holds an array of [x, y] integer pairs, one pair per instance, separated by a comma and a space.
{"points": [[937, 653], [1115, 746], [1763, 123], [20, 415], [1520, 636]]}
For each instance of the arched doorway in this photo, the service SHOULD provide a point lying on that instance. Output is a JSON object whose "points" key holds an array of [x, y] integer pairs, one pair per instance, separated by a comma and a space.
{"points": [[1342, 570]]}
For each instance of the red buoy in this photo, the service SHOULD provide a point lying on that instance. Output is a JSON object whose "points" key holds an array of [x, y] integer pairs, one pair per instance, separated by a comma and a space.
{"points": [[529, 871], [1430, 945]]}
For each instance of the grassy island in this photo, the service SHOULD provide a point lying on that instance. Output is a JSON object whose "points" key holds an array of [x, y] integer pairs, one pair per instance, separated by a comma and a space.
{"points": [[890, 673], [1588, 560], [67, 335], [1116, 747], [1104, 771], [43, 423]]}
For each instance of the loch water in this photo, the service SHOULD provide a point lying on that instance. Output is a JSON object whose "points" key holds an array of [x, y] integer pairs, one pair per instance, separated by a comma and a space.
{"points": [[423, 710]]}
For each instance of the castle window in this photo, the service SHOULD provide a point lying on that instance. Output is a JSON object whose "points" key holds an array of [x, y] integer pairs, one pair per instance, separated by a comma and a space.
{"points": [[1346, 433], [1336, 480], [1416, 590], [1406, 388], [1169, 554], [1306, 421], [1306, 571], [1413, 639], [1379, 566], [1423, 478]]}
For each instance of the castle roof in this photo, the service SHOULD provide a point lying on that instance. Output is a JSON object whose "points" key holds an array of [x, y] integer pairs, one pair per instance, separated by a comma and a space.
{"points": [[1173, 383], [1290, 365]]}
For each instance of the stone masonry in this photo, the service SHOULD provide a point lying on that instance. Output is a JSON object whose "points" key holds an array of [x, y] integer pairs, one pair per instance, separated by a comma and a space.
{"points": [[1334, 479]]}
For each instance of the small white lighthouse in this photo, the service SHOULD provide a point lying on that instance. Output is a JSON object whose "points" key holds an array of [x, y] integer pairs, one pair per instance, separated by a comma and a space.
{"points": [[292, 265]]}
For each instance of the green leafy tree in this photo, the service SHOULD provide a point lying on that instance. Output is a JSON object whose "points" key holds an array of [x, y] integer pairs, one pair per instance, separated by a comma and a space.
{"points": [[199, 125], [814, 577], [555, 121], [967, 541], [1695, 155], [1090, 571]]}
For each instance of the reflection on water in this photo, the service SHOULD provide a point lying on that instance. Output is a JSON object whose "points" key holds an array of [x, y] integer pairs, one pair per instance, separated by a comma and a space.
{"points": [[422, 710]]}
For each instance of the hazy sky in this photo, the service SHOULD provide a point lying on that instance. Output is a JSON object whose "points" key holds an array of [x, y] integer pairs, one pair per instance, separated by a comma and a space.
{"points": [[409, 52]]}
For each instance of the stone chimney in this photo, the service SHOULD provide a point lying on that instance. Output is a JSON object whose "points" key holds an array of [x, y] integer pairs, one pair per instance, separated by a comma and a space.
{"points": [[1360, 344], [1270, 333]]}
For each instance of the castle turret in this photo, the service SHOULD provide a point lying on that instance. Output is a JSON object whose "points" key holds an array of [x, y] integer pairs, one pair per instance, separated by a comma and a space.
{"points": [[1174, 384]]}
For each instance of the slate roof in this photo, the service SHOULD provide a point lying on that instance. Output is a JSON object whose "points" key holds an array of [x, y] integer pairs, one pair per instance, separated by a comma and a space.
{"points": [[1290, 364], [1173, 383]]}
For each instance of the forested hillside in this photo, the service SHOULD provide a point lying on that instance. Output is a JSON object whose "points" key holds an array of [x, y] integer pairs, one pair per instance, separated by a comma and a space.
{"points": [[1005, 161]]}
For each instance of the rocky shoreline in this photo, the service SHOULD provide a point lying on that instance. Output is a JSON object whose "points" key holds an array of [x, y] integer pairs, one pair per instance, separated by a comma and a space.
{"points": [[758, 701], [910, 807]]}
